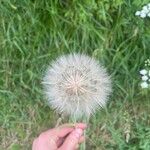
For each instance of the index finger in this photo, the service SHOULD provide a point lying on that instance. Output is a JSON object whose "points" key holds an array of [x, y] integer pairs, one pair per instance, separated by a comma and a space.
{"points": [[81, 125], [65, 129]]}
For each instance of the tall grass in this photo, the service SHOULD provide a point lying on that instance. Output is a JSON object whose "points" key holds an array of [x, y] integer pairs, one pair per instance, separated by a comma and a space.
{"points": [[34, 32]]}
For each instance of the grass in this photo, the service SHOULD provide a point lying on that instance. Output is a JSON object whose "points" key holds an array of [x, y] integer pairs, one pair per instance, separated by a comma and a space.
{"points": [[34, 32]]}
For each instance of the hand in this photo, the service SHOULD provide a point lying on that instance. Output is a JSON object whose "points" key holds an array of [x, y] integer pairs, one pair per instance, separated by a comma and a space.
{"points": [[64, 137]]}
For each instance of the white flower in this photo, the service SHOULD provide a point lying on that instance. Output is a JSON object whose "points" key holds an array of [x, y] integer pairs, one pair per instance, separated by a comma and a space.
{"points": [[145, 9], [143, 15], [147, 62], [144, 78], [144, 12], [143, 72], [148, 14], [144, 85], [148, 5], [76, 85], [138, 13]]}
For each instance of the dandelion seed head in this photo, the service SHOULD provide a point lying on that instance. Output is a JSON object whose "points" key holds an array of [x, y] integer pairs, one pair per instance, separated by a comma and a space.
{"points": [[76, 85]]}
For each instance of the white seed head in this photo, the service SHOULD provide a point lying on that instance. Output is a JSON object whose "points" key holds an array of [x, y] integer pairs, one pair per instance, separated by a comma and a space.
{"points": [[76, 85]]}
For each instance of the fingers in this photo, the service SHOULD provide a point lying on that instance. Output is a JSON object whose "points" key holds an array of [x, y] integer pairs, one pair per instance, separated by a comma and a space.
{"points": [[82, 139], [67, 135], [72, 140], [34, 145], [81, 125], [65, 129], [61, 140], [59, 132]]}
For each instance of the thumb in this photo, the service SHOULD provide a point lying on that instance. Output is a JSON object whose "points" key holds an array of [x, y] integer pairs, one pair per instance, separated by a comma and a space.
{"points": [[72, 140]]}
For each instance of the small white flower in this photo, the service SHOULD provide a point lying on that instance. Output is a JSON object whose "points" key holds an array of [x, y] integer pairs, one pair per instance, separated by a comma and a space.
{"points": [[145, 11], [148, 5], [138, 13], [143, 15], [148, 14], [144, 85], [147, 62], [143, 72], [145, 8], [149, 73], [144, 78]]}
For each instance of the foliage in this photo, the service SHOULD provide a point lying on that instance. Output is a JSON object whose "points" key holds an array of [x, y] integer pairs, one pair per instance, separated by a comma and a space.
{"points": [[34, 32]]}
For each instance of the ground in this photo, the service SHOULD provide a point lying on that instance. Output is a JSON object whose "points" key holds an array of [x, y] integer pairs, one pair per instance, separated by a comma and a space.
{"points": [[35, 32]]}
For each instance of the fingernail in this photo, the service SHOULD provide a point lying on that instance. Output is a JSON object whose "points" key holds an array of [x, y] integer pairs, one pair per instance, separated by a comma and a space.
{"points": [[78, 132]]}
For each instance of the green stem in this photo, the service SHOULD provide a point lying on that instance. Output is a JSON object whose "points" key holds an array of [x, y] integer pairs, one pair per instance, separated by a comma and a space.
{"points": [[83, 145], [85, 120]]}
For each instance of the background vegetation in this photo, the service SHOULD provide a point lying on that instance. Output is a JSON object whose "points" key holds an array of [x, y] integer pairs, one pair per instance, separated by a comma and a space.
{"points": [[34, 32]]}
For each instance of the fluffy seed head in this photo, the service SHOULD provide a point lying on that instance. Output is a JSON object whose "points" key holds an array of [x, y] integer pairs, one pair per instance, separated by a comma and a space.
{"points": [[76, 85]]}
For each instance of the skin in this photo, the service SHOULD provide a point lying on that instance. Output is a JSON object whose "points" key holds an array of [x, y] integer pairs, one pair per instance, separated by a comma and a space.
{"points": [[65, 137]]}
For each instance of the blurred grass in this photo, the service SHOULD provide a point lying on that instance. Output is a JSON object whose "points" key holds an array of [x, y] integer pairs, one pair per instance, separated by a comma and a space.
{"points": [[34, 32]]}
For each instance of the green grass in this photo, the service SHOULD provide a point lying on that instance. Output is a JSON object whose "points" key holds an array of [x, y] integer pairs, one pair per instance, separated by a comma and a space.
{"points": [[34, 32]]}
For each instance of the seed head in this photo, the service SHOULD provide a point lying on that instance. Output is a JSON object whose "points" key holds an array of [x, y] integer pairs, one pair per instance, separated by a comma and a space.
{"points": [[76, 85]]}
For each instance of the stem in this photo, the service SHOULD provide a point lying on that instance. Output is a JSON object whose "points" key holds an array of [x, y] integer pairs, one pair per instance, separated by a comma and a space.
{"points": [[83, 145], [85, 120]]}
